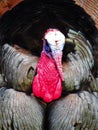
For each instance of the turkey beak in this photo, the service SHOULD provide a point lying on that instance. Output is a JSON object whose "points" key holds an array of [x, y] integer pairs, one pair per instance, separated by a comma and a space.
{"points": [[58, 60]]}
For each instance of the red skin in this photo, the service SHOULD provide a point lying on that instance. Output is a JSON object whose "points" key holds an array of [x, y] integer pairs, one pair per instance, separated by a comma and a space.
{"points": [[47, 84]]}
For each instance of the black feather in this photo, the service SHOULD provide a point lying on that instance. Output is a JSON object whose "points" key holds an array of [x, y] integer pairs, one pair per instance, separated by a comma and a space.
{"points": [[26, 23]]}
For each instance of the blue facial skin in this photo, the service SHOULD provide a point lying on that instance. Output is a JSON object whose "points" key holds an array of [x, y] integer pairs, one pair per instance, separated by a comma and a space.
{"points": [[47, 49]]}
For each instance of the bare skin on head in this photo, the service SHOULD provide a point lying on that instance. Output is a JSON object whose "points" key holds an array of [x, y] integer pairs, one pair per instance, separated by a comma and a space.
{"points": [[47, 83]]}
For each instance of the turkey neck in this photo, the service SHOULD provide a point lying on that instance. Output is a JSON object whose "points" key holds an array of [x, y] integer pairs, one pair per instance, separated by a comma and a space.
{"points": [[47, 84]]}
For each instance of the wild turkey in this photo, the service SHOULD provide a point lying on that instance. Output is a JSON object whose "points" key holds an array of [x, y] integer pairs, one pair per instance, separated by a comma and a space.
{"points": [[41, 34]]}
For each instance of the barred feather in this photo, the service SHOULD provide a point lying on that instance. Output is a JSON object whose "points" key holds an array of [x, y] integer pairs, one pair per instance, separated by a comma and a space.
{"points": [[17, 111], [74, 112], [77, 69], [18, 68]]}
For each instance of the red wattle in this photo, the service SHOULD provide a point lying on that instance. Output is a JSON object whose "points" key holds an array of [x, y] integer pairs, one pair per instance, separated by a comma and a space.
{"points": [[47, 84]]}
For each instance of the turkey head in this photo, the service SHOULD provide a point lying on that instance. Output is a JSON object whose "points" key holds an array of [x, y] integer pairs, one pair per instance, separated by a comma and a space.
{"points": [[47, 83]]}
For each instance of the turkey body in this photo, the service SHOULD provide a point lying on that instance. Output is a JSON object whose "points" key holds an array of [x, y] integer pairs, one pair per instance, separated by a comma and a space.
{"points": [[21, 53]]}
